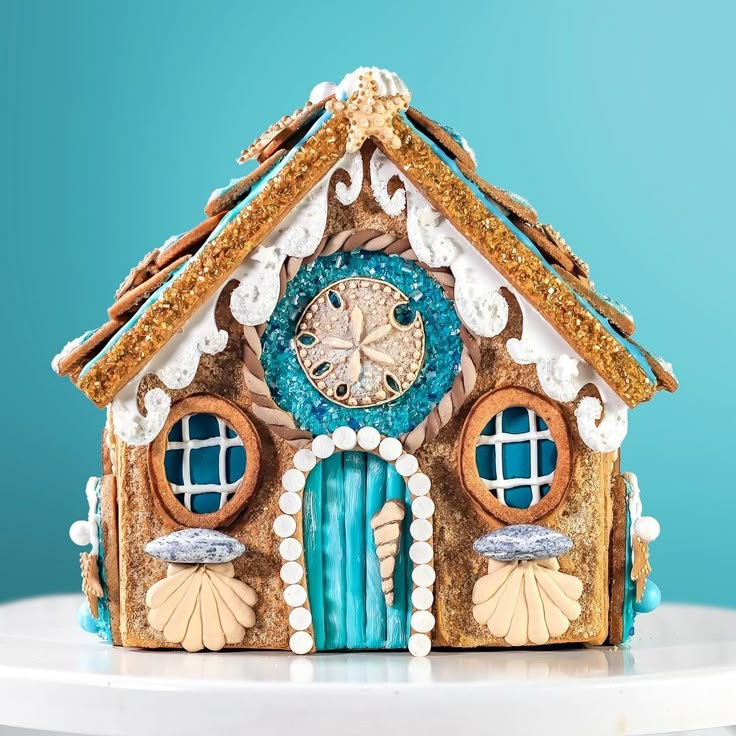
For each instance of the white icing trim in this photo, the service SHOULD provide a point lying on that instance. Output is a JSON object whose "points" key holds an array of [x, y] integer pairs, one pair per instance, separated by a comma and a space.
{"points": [[482, 307], [382, 171], [420, 553], [602, 434], [252, 302], [91, 491], [353, 164]]}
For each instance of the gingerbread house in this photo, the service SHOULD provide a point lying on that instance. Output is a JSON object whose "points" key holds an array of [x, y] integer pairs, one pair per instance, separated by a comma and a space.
{"points": [[370, 402]]}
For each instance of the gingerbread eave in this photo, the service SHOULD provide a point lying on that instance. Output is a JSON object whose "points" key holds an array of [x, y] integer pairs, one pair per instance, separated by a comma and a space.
{"points": [[502, 227]]}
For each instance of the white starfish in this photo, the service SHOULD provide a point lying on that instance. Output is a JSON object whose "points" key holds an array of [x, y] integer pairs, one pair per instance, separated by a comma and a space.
{"points": [[359, 344]]}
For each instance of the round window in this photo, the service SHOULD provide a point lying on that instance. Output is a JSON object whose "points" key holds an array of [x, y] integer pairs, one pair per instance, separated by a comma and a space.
{"points": [[515, 455], [204, 463]]}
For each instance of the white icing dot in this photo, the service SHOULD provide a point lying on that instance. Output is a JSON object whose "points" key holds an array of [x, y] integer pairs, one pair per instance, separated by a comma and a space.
{"points": [[390, 449], [284, 525], [422, 621], [369, 438], [421, 553], [344, 438], [295, 596], [647, 528], [292, 572], [300, 619], [422, 598], [300, 642], [419, 645], [79, 533], [421, 530], [304, 460], [422, 575], [323, 446], [407, 465], [290, 549], [422, 507], [293, 480], [419, 484], [290, 502]]}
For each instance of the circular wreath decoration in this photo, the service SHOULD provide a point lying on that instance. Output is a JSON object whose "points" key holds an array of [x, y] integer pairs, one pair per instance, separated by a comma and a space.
{"points": [[292, 390]]}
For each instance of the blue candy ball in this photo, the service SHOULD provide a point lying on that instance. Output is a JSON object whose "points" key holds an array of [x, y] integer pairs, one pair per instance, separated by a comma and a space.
{"points": [[86, 621], [650, 600]]}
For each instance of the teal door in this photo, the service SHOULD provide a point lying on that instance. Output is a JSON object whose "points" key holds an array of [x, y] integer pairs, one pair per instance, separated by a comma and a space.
{"points": [[349, 610]]}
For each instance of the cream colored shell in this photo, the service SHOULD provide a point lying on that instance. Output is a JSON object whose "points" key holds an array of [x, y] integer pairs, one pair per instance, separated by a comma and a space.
{"points": [[526, 601], [201, 606]]}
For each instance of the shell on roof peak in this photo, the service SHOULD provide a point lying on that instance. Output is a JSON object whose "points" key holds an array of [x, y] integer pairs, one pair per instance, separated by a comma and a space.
{"points": [[389, 83]]}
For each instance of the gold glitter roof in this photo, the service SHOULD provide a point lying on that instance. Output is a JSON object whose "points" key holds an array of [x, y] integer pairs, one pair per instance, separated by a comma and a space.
{"points": [[556, 299]]}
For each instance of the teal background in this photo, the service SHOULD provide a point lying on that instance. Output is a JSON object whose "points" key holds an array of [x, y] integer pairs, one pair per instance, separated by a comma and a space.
{"points": [[615, 120]]}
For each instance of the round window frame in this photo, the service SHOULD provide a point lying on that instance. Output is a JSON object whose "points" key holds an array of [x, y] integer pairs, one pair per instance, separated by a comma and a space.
{"points": [[484, 409], [172, 510]]}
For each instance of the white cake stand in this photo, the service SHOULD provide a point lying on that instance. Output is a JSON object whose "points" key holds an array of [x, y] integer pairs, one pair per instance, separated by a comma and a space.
{"points": [[678, 674]]}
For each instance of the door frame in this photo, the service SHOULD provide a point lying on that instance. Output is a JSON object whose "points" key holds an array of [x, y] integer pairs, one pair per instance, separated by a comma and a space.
{"points": [[288, 527]]}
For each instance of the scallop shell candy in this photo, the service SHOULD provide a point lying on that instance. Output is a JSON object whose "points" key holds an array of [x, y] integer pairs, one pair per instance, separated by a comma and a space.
{"points": [[201, 606]]}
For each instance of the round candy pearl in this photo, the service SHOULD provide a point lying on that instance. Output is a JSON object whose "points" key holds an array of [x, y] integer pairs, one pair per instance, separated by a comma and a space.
{"points": [[79, 533], [647, 528], [651, 598], [85, 619]]}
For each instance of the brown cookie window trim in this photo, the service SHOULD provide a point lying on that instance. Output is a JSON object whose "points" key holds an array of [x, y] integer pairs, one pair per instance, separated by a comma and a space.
{"points": [[483, 411], [172, 509]]}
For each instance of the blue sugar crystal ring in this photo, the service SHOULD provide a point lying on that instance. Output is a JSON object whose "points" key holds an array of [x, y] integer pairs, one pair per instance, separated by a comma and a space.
{"points": [[195, 546], [295, 392], [522, 542]]}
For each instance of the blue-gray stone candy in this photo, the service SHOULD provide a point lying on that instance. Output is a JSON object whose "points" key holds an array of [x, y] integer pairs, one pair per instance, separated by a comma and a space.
{"points": [[522, 542], [195, 546]]}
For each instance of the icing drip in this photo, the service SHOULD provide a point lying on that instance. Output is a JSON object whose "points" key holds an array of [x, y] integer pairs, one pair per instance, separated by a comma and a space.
{"points": [[607, 434], [253, 301], [354, 166], [131, 426], [180, 373], [382, 171], [424, 228]]}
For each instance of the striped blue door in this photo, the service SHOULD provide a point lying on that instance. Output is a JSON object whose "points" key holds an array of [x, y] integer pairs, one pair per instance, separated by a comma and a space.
{"points": [[348, 606]]}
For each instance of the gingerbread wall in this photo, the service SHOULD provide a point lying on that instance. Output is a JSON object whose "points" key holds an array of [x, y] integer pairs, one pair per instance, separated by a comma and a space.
{"points": [[584, 513]]}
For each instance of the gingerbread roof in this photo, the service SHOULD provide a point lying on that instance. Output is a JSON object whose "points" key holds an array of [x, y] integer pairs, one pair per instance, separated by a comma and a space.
{"points": [[167, 287]]}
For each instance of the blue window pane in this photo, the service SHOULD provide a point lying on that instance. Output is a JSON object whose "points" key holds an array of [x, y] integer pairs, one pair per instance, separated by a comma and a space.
{"points": [[516, 460], [204, 465], [203, 426], [230, 432], [490, 428], [235, 463], [515, 420], [544, 489], [485, 459], [541, 424], [518, 498], [546, 456], [175, 433], [173, 461], [205, 503]]}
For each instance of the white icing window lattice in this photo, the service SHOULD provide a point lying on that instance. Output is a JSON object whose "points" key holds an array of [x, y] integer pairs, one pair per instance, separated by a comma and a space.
{"points": [[205, 462], [516, 457]]}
